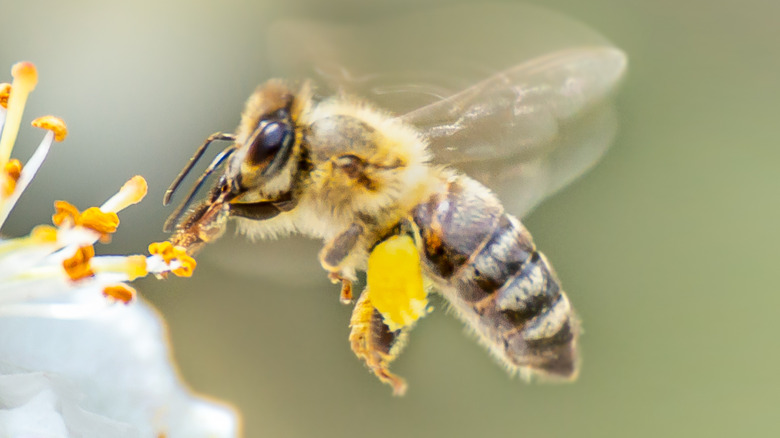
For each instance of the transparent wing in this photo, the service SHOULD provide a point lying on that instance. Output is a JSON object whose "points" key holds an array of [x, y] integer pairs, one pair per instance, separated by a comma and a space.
{"points": [[524, 180], [531, 129], [513, 95], [520, 110]]}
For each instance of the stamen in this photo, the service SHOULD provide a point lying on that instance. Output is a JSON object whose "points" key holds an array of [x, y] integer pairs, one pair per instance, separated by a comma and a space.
{"points": [[131, 193], [172, 254], [93, 218], [65, 214], [187, 266], [25, 79], [11, 173], [103, 223], [77, 267], [5, 91], [26, 175], [53, 124], [132, 267], [120, 292], [38, 269], [162, 249], [13, 169], [25, 75], [136, 267], [44, 234], [40, 239]]}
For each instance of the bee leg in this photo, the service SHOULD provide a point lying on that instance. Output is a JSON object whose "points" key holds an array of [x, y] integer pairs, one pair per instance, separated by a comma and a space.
{"points": [[264, 210], [393, 301], [259, 211], [346, 287], [333, 255], [372, 341]]}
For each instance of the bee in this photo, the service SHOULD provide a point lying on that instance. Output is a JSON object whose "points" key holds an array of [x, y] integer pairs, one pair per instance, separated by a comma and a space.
{"points": [[383, 194]]}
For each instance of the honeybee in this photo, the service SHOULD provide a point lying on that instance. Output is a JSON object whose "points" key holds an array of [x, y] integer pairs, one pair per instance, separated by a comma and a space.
{"points": [[382, 193]]}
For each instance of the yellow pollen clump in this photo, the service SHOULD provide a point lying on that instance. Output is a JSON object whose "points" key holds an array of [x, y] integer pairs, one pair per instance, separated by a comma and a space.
{"points": [[77, 267], [120, 292], [44, 234], [11, 173], [54, 124], [169, 253], [65, 213], [395, 283], [5, 91]]}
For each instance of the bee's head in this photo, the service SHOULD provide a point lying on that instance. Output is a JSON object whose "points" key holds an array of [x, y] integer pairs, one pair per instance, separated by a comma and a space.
{"points": [[269, 145], [262, 164]]}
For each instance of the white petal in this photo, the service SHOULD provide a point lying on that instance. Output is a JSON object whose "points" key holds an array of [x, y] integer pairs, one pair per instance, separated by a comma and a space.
{"points": [[117, 363]]}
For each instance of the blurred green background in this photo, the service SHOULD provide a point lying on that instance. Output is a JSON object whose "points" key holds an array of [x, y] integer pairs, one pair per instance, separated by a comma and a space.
{"points": [[667, 248]]}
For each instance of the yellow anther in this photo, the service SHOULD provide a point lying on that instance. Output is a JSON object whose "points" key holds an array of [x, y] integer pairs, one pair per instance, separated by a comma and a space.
{"points": [[5, 91], [65, 214], [25, 75], [395, 283], [13, 169], [54, 124], [77, 267], [136, 189], [187, 266], [169, 253], [162, 249], [44, 234], [120, 292], [97, 220], [132, 192], [11, 172]]}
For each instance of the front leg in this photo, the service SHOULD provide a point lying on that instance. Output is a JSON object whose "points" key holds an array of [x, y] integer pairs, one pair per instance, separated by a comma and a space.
{"points": [[335, 253], [263, 210]]}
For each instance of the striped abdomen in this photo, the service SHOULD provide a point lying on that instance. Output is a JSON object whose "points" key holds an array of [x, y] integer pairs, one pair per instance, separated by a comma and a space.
{"points": [[485, 263]]}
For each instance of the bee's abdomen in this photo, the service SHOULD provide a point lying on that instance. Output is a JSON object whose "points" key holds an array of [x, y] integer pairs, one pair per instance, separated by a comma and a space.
{"points": [[485, 263]]}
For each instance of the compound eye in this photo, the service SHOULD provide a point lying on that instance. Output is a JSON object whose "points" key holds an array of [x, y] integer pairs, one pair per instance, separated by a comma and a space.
{"points": [[269, 141]]}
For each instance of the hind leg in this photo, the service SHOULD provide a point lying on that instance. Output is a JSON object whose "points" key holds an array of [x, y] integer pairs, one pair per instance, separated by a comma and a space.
{"points": [[372, 341]]}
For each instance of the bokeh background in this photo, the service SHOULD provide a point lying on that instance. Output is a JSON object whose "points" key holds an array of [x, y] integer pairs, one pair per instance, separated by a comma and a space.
{"points": [[667, 248]]}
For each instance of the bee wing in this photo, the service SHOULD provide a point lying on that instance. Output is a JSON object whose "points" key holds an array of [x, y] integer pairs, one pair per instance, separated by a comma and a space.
{"points": [[524, 180], [524, 131], [529, 130], [520, 110]]}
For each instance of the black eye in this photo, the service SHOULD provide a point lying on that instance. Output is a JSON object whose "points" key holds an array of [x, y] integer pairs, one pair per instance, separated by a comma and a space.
{"points": [[269, 141]]}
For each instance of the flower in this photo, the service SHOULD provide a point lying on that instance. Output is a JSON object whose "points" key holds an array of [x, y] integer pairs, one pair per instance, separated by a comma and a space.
{"points": [[79, 353]]}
